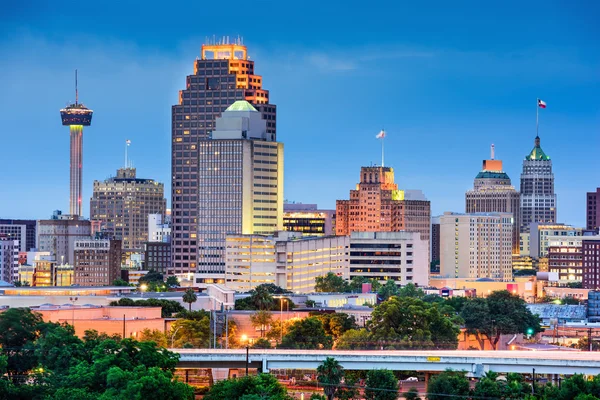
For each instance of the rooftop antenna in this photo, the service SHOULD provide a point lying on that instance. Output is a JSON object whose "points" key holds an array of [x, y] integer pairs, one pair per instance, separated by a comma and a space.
{"points": [[76, 92], [493, 151], [127, 143]]}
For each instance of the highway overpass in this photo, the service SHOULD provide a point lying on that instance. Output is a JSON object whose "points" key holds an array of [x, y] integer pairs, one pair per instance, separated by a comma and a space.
{"points": [[475, 363]]}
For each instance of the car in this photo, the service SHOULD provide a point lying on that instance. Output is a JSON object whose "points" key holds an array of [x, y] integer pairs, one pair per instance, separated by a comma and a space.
{"points": [[412, 379]]}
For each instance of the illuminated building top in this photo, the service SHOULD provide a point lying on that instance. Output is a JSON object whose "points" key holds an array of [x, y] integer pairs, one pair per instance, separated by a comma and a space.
{"points": [[537, 153], [77, 113]]}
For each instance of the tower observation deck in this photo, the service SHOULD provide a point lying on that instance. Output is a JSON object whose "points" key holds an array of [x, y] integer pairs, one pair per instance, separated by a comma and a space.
{"points": [[76, 116]]}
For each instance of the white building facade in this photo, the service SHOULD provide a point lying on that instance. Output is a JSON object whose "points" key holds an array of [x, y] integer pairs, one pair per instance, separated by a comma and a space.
{"points": [[158, 229], [9, 260]]}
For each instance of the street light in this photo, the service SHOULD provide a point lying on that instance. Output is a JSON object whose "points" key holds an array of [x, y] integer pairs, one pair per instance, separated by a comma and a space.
{"points": [[73, 300], [245, 339], [143, 288], [281, 300]]}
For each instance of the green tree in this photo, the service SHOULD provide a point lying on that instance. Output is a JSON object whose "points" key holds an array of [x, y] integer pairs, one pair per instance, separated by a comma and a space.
{"points": [[144, 383], [411, 290], [262, 386], [357, 282], [447, 385], [336, 324], [194, 332], [317, 396], [488, 386], [19, 329], [261, 320], [388, 290], [584, 344], [329, 375], [120, 282], [306, 333], [381, 384], [152, 277], [500, 313], [310, 303], [154, 335], [355, 339], [331, 283], [411, 394], [169, 307], [261, 343], [172, 281], [190, 297]]}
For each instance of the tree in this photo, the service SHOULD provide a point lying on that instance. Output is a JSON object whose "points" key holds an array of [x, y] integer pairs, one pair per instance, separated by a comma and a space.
{"points": [[448, 384], [412, 394], [155, 336], [349, 389], [381, 384], [488, 386], [152, 276], [190, 297], [262, 386], [329, 375], [357, 282], [172, 281], [310, 303], [411, 290], [261, 320], [19, 329], [584, 344], [193, 332], [120, 282], [307, 333], [355, 339], [500, 313], [331, 283], [388, 290], [261, 343], [336, 324], [168, 307]]}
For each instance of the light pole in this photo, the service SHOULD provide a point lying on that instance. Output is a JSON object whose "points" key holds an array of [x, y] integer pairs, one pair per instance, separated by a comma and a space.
{"points": [[245, 339], [281, 300], [73, 300], [143, 288]]}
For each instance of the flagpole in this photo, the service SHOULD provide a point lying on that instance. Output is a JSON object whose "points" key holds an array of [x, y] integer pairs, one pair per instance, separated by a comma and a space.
{"points": [[126, 145], [382, 139], [537, 117]]}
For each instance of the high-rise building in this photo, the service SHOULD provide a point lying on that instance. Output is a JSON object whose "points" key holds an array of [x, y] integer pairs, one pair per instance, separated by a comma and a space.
{"points": [[97, 262], [435, 242], [538, 200], [402, 257], [308, 220], [76, 116], [223, 75], [240, 187], [493, 192], [376, 205], [541, 235], [158, 257], [14, 232], [565, 258], [592, 213], [123, 203], [9, 259], [58, 236], [286, 259], [29, 224], [477, 245], [590, 250]]}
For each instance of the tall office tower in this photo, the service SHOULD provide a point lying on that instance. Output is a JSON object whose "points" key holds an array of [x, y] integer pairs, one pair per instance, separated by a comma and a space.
{"points": [[435, 242], [376, 205], [221, 76], [492, 192], [9, 259], [58, 236], [538, 201], [240, 187], [477, 245], [590, 250], [592, 208], [76, 116], [97, 262], [123, 203], [308, 220], [29, 224]]}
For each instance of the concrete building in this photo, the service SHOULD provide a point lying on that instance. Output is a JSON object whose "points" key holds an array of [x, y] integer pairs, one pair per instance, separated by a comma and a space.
{"points": [[590, 249], [43, 270], [123, 203], [9, 259], [240, 188], [97, 262], [376, 205], [493, 192], [399, 256], [592, 210], [158, 229], [158, 257], [58, 236], [222, 75], [14, 232], [286, 259], [541, 235], [30, 227], [565, 258], [477, 245], [538, 200], [308, 220]]}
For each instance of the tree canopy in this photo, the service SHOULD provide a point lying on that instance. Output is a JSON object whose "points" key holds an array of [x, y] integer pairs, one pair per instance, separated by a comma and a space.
{"points": [[331, 283], [169, 307], [306, 333], [381, 384], [261, 386]]}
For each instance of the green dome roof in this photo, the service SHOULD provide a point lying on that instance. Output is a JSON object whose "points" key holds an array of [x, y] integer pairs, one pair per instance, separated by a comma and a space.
{"points": [[492, 175], [241, 105], [537, 153]]}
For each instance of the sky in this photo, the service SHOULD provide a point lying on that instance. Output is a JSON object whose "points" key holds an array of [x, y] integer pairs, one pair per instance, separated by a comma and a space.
{"points": [[445, 80]]}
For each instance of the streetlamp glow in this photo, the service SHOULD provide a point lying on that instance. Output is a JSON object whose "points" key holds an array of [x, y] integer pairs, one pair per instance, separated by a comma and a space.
{"points": [[143, 288]]}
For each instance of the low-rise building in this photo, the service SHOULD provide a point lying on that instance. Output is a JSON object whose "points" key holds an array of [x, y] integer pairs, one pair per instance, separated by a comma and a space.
{"points": [[158, 257], [97, 262], [565, 258], [59, 234], [308, 220], [541, 235]]}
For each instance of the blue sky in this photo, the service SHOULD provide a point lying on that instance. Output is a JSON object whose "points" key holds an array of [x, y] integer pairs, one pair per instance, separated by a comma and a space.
{"points": [[445, 79]]}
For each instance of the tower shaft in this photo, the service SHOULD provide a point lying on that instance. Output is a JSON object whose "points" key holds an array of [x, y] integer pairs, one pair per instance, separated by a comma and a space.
{"points": [[76, 132]]}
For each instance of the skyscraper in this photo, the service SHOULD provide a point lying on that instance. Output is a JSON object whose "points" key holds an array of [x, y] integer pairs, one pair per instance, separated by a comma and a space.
{"points": [[123, 203], [240, 187], [538, 201], [376, 205], [221, 76], [592, 210], [492, 192], [76, 116], [30, 224]]}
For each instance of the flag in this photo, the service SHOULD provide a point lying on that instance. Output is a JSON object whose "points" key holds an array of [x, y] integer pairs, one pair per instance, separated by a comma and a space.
{"points": [[381, 134], [541, 103], [128, 142]]}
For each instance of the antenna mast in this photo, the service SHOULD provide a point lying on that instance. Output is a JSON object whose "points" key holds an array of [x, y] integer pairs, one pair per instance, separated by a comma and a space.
{"points": [[493, 151], [76, 92]]}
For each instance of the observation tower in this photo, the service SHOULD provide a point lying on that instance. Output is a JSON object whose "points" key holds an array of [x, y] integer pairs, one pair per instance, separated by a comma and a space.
{"points": [[76, 116]]}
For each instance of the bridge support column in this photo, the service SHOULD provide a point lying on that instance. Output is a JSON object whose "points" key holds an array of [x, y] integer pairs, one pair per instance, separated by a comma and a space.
{"points": [[265, 367]]}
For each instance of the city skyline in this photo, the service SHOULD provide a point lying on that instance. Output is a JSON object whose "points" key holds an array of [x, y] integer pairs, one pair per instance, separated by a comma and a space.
{"points": [[478, 94]]}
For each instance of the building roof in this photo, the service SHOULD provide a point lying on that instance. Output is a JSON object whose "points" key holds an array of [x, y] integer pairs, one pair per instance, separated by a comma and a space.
{"points": [[537, 153], [241, 105], [492, 175]]}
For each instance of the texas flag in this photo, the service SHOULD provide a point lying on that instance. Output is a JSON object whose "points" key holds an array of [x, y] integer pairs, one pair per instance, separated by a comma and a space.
{"points": [[541, 103], [381, 134]]}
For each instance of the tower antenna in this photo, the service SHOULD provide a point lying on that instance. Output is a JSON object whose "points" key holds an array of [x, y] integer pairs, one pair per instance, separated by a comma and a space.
{"points": [[76, 92], [127, 143], [493, 151]]}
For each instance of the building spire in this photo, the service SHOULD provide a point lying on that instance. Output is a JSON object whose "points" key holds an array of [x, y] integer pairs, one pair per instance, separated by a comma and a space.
{"points": [[76, 92], [537, 141], [492, 150]]}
